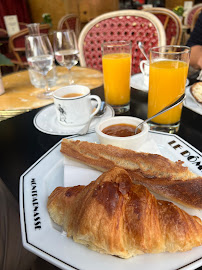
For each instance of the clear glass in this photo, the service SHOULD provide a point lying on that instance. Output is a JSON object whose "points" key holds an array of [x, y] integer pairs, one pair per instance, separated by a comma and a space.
{"points": [[40, 58], [116, 64], [167, 80], [34, 28], [66, 50]]}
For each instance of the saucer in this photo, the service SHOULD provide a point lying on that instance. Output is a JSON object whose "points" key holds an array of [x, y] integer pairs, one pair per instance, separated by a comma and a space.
{"points": [[137, 82], [46, 121]]}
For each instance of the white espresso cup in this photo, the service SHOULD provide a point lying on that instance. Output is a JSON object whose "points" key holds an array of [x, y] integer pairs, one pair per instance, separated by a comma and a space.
{"points": [[73, 105], [144, 67]]}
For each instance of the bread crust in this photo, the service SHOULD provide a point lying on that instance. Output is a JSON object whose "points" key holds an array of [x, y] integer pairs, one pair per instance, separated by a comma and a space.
{"points": [[114, 216], [196, 91], [167, 178]]}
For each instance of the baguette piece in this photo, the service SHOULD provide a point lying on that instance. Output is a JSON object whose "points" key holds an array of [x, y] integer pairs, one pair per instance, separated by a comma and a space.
{"points": [[159, 174], [114, 216]]}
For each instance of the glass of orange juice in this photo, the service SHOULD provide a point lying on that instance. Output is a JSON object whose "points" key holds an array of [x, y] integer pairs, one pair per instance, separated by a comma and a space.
{"points": [[116, 63], [167, 81]]}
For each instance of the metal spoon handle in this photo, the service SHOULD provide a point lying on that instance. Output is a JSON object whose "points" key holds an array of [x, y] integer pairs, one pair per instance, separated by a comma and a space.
{"points": [[165, 109], [142, 50]]}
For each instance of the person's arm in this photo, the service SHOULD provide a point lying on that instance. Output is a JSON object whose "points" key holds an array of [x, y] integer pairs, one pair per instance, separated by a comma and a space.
{"points": [[196, 57]]}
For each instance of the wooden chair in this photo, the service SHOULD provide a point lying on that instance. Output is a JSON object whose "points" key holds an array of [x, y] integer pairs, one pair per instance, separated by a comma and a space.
{"points": [[3, 41], [22, 25], [190, 14], [133, 25], [195, 18], [17, 46], [70, 22], [171, 24]]}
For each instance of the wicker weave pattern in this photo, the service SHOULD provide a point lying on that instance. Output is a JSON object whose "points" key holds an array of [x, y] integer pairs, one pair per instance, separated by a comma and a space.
{"points": [[171, 23], [171, 29], [188, 19], [119, 28]]}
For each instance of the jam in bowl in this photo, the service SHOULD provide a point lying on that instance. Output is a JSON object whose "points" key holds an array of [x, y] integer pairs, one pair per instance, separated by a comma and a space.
{"points": [[120, 131]]}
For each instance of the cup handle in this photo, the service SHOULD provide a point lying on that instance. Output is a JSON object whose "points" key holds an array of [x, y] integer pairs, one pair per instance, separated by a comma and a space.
{"points": [[141, 66], [98, 104]]}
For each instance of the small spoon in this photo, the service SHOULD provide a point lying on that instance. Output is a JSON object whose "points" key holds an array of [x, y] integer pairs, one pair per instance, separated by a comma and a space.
{"points": [[167, 108], [140, 45], [101, 111]]}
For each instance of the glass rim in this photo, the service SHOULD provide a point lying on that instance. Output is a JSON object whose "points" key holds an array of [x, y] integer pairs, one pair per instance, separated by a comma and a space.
{"points": [[33, 24], [188, 49], [37, 35], [64, 30], [117, 43]]}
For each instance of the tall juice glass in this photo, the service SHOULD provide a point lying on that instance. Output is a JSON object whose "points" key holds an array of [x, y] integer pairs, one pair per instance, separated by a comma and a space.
{"points": [[116, 63], [167, 80]]}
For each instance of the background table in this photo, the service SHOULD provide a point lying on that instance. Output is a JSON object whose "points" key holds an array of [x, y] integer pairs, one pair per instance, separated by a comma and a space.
{"points": [[21, 96]]}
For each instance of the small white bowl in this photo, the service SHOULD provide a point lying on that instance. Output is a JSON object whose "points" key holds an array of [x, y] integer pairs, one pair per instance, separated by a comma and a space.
{"points": [[130, 142]]}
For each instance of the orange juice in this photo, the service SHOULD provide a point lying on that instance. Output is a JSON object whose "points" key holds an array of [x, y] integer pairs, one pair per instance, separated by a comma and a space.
{"points": [[116, 71], [167, 81]]}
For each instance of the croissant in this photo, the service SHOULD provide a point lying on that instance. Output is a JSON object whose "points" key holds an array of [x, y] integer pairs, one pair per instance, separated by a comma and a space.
{"points": [[114, 216], [159, 174]]}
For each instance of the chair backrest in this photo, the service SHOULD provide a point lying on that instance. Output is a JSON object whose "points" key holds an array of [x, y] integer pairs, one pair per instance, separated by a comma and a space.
{"points": [[3, 32], [22, 25], [190, 14], [171, 24], [195, 18], [17, 43], [70, 22], [4, 41], [133, 25]]}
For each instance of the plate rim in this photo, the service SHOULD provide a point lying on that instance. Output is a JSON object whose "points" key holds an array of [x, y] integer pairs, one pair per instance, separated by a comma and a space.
{"points": [[39, 251]]}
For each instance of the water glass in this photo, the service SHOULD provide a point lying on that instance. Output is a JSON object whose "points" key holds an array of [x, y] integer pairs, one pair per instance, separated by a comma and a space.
{"points": [[66, 50], [40, 58]]}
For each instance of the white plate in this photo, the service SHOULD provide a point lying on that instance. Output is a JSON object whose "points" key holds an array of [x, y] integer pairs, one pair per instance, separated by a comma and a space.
{"points": [[191, 103], [44, 238], [46, 121], [137, 82]]}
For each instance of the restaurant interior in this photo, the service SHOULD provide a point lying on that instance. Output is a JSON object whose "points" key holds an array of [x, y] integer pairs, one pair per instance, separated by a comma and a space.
{"points": [[39, 107]]}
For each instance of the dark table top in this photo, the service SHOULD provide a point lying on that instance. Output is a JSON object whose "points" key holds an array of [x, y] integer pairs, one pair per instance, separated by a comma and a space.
{"points": [[21, 144]]}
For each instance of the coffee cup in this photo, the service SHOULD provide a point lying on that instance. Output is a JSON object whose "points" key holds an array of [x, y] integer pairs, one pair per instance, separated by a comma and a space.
{"points": [[144, 67], [73, 105]]}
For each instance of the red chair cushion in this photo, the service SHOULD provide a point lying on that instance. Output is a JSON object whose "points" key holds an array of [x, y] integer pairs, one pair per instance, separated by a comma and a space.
{"points": [[171, 29], [115, 29]]}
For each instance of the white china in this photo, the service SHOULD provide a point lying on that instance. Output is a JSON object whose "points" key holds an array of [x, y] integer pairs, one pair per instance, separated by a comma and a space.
{"points": [[191, 103], [46, 121], [134, 142], [75, 110], [48, 173], [144, 67]]}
